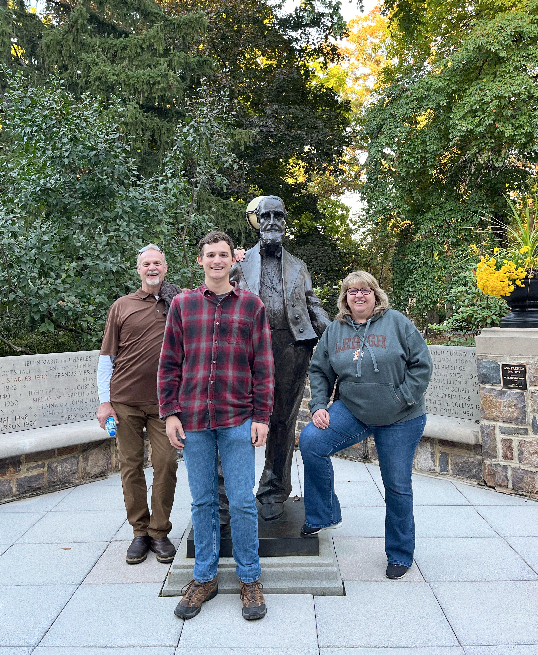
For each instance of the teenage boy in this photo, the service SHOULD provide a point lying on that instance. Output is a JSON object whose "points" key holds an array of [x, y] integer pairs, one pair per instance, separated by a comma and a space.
{"points": [[215, 384]]}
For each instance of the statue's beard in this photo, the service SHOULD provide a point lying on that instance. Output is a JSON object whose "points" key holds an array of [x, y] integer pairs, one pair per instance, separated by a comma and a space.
{"points": [[272, 240]]}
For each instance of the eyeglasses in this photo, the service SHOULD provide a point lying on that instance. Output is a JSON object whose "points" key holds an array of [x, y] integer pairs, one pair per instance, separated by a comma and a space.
{"points": [[354, 292], [150, 246]]}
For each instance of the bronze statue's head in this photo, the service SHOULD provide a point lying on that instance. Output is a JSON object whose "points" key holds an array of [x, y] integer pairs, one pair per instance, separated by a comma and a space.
{"points": [[270, 219]]}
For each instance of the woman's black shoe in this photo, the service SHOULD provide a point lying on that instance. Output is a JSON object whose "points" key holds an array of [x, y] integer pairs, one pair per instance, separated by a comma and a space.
{"points": [[396, 571]]}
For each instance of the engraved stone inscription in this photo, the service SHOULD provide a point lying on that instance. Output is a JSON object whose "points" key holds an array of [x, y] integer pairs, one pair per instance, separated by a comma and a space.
{"points": [[514, 376], [453, 389], [41, 390]]}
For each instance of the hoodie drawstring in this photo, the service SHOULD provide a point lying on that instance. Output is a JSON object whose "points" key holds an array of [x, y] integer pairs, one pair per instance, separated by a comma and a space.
{"points": [[368, 348]]}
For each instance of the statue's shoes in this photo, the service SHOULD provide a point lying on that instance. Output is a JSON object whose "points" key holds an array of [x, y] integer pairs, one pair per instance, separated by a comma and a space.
{"points": [[271, 511]]}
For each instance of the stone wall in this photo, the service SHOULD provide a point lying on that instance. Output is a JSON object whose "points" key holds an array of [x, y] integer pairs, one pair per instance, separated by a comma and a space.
{"points": [[494, 388], [508, 381], [450, 458], [452, 392], [57, 468], [46, 400], [38, 391]]}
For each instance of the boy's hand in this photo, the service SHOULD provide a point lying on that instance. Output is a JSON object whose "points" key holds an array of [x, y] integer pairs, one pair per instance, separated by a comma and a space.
{"points": [[258, 433], [175, 432]]}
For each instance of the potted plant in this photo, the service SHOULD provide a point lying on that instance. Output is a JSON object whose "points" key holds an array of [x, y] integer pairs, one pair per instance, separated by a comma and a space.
{"points": [[511, 273]]}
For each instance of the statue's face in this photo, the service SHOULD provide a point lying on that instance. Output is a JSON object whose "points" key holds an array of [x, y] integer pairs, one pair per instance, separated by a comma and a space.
{"points": [[272, 219]]}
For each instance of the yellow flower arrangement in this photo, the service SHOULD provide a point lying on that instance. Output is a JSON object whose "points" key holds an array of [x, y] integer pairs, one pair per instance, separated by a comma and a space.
{"points": [[500, 274], [501, 281]]}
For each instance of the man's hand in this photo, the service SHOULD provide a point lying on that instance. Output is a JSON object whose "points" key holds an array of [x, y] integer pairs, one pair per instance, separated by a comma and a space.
{"points": [[258, 433], [321, 419], [175, 432], [104, 411]]}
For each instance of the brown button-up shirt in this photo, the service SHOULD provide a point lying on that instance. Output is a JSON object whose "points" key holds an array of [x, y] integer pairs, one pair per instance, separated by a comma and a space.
{"points": [[133, 335]]}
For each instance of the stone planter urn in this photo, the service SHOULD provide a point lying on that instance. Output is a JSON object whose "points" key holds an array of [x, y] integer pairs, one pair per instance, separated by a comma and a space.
{"points": [[523, 303]]}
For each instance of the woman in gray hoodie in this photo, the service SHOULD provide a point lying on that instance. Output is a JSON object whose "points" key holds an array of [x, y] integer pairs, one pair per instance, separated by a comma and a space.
{"points": [[381, 366]]}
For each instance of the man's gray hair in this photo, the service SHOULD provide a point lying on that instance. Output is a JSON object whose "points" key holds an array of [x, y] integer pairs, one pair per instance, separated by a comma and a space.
{"points": [[150, 246]]}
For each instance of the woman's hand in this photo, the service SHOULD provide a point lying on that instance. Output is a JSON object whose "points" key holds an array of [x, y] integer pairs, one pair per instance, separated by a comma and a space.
{"points": [[321, 419]]}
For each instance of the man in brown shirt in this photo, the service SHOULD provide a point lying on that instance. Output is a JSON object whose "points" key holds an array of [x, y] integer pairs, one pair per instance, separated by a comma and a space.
{"points": [[127, 381]]}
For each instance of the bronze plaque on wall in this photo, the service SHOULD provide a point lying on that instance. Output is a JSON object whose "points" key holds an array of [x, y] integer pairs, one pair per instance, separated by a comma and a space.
{"points": [[514, 376]]}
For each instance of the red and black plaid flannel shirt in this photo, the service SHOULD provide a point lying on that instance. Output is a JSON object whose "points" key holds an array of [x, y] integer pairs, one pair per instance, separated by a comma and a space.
{"points": [[216, 367]]}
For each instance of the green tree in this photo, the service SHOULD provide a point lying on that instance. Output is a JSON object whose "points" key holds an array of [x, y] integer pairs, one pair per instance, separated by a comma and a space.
{"points": [[151, 55], [70, 209], [200, 163], [268, 59], [451, 128], [21, 31], [74, 208]]}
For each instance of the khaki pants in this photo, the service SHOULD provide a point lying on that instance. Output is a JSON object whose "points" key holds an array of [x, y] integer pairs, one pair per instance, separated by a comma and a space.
{"points": [[130, 442]]}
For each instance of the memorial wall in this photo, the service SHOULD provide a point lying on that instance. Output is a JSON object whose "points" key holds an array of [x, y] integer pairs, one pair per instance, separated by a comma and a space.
{"points": [[453, 389], [42, 390]]}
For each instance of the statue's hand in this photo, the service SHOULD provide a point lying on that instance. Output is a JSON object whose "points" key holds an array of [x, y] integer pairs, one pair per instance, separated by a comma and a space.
{"points": [[258, 433]]}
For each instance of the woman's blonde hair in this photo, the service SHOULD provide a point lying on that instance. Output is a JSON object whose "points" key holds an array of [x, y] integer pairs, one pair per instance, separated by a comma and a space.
{"points": [[358, 280]]}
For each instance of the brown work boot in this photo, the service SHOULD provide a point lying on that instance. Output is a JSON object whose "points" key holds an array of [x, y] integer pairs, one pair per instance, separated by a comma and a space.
{"points": [[253, 600], [194, 594]]}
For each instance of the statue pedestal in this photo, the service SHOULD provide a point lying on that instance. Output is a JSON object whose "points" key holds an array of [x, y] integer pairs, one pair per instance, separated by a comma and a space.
{"points": [[291, 564], [280, 538]]}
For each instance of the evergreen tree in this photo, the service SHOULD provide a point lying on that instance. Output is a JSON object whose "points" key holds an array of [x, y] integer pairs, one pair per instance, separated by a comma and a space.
{"points": [[126, 49], [74, 209]]}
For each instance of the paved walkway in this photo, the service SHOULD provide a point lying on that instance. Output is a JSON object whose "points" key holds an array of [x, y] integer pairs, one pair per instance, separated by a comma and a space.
{"points": [[65, 588]]}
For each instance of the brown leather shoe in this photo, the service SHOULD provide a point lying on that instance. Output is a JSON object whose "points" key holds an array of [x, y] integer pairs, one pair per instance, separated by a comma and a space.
{"points": [[138, 550], [194, 594], [253, 600], [164, 549]]}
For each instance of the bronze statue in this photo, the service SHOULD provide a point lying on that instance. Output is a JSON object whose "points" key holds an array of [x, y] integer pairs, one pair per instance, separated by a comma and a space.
{"points": [[297, 320]]}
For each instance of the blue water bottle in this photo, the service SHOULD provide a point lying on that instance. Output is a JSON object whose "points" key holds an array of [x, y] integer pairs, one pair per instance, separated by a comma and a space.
{"points": [[110, 426]]}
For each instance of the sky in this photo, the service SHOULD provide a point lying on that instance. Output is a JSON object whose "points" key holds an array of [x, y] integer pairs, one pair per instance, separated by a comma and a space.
{"points": [[349, 9]]}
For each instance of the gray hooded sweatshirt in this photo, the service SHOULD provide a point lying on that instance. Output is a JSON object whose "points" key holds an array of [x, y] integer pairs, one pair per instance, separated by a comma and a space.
{"points": [[382, 368]]}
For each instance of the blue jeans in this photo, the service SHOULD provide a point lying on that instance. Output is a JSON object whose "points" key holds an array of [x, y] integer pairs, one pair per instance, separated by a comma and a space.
{"points": [[396, 445], [237, 457]]}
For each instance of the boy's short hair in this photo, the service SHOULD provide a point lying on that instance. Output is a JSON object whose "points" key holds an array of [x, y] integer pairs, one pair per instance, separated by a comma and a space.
{"points": [[214, 237]]}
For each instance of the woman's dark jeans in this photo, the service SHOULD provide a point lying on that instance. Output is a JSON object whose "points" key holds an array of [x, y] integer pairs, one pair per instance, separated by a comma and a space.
{"points": [[396, 445]]}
